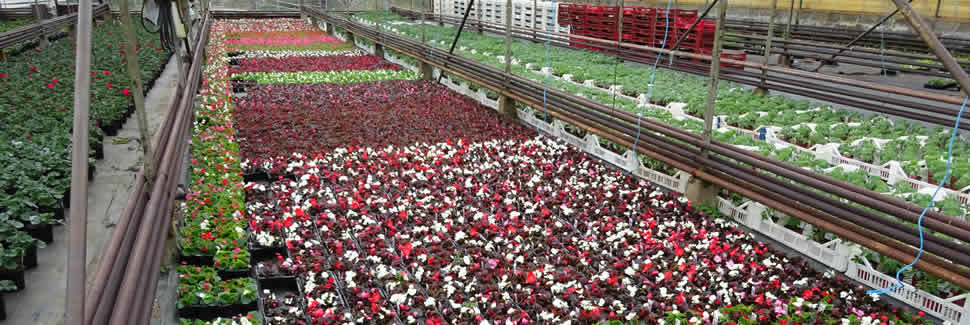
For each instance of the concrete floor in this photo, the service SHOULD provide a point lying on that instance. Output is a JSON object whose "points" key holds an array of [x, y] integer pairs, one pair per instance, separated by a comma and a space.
{"points": [[42, 302]]}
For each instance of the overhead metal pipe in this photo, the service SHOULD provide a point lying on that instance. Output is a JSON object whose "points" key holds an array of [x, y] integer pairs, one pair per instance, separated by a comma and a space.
{"points": [[933, 42]]}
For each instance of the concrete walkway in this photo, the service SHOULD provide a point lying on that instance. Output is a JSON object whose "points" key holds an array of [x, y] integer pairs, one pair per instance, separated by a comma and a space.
{"points": [[42, 302]]}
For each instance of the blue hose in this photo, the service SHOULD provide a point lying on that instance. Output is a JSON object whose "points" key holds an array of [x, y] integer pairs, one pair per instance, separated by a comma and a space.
{"points": [[919, 223]]}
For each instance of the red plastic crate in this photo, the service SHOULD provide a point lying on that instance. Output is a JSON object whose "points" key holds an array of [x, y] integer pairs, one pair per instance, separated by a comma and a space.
{"points": [[727, 54], [705, 26]]}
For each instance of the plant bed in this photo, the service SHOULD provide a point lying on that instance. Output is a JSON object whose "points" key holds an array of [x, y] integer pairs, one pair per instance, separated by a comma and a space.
{"points": [[334, 77], [452, 252], [283, 306], [202, 294], [232, 263], [277, 120], [319, 63], [248, 318]]}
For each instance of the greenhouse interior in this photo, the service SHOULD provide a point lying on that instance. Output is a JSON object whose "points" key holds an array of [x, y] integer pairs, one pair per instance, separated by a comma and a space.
{"points": [[298, 162]]}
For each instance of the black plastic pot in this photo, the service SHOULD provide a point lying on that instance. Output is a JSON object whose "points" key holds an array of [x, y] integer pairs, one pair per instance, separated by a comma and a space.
{"points": [[99, 151], [3, 309], [255, 175], [279, 283], [66, 199], [43, 232], [200, 260], [234, 274], [208, 313], [17, 276], [91, 170], [57, 210], [30, 258]]}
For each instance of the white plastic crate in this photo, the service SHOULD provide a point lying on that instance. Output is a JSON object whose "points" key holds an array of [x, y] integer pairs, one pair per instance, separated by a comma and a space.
{"points": [[944, 309], [750, 214]]}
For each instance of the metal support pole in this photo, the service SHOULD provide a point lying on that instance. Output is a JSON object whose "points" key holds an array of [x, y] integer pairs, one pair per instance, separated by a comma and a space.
{"points": [[461, 27], [923, 29], [508, 41], [506, 103], [771, 31], [134, 72], [791, 16], [857, 38], [479, 18], [535, 19], [619, 30], [76, 252], [302, 13], [691, 28], [712, 81]]}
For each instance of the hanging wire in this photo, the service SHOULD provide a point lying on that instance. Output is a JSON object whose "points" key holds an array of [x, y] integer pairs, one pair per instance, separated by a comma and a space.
{"points": [[919, 222], [653, 74]]}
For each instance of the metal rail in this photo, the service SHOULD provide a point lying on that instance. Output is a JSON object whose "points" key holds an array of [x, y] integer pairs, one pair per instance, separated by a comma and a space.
{"points": [[681, 150], [916, 105], [896, 40], [44, 28], [124, 284]]}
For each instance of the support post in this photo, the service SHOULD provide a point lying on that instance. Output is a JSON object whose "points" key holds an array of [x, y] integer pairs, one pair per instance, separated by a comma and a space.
{"points": [[506, 104], [791, 16], [40, 14], [701, 191], [762, 88], [350, 37], [508, 41], [302, 14], [480, 18], [134, 72], [923, 29], [379, 50], [535, 20], [713, 78], [427, 71], [76, 254], [619, 31], [329, 27]]}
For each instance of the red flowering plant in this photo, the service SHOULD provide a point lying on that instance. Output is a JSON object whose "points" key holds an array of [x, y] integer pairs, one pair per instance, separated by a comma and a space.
{"points": [[530, 231], [314, 40], [312, 63], [214, 206], [277, 120]]}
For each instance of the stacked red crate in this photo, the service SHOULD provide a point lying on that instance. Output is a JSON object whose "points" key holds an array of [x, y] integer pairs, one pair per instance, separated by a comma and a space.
{"points": [[657, 27], [701, 37], [563, 17]]}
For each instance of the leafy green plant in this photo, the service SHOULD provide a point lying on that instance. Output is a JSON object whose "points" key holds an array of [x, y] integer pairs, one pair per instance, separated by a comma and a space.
{"points": [[232, 259], [941, 83], [11, 258], [7, 286]]}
